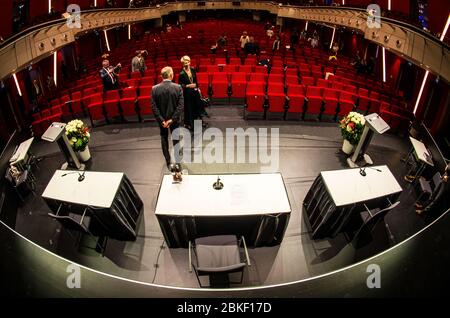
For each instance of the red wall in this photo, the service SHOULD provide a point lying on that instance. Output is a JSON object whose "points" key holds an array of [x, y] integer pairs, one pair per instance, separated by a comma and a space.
{"points": [[438, 11], [6, 19]]}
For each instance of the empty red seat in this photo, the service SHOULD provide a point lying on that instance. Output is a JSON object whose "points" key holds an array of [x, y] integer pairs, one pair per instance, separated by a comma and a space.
{"points": [[230, 68], [314, 101], [147, 81], [308, 81], [260, 69], [277, 70], [258, 78], [235, 61], [203, 83], [276, 78], [246, 68], [331, 99], [238, 85], [219, 85], [111, 108], [276, 97], [346, 103], [128, 102], [255, 97], [212, 68], [363, 100], [112, 95], [291, 72], [337, 85], [296, 95], [291, 80], [322, 83]]}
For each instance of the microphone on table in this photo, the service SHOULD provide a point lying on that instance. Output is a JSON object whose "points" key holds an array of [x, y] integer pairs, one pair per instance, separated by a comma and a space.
{"points": [[362, 170], [218, 185], [80, 175]]}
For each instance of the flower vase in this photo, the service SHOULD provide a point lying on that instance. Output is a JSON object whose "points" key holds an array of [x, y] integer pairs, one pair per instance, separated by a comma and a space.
{"points": [[347, 147], [84, 155]]}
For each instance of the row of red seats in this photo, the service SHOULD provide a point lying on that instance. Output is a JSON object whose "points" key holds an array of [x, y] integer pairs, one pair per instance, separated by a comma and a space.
{"points": [[305, 101]]}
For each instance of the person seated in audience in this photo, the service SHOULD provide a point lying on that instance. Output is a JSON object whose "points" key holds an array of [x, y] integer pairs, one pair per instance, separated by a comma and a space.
{"points": [[357, 60], [214, 48], [222, 41], [109, 76], [334, 51], [440, 198], [251, 47]]}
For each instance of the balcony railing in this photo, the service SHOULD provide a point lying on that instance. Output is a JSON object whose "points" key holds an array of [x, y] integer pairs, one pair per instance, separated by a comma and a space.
{"points": [[404, 39]]}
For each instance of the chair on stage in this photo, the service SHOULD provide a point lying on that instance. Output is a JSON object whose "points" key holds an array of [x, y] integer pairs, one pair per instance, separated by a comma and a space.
{"points": [[82, 224], [427, 186], [23, 179], [217, 256], [371, 217]]}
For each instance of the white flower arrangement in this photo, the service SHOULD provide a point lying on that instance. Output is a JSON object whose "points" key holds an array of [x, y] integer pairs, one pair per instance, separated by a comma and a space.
{"points": [[352, 127], [78, 134]]}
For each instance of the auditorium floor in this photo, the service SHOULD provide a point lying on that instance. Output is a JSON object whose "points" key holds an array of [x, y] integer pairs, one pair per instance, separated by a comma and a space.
{"points": [[306, 148]]}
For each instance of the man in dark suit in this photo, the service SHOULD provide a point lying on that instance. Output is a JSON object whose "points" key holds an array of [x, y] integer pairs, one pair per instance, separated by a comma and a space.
{"points": [[109, 76], [167, 106]]}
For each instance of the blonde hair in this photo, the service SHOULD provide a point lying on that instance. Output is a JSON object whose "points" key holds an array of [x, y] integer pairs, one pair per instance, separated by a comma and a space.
{"points": [[166, 72], [185, 59]]}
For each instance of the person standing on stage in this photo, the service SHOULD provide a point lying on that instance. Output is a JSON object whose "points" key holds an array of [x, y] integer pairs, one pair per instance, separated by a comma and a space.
{"points": [[188, 80], [167, 105], [439, 198]]}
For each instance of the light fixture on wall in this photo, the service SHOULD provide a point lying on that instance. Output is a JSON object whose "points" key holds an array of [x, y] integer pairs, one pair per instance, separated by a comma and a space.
{"points": [[65, 37], [53, 41], [398, 43], [386, 38], [41, 46], [55, 67], [17, 84], [374, 35]]}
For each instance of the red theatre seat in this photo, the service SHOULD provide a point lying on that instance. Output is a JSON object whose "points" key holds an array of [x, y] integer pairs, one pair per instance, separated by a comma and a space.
{"points": [[296, 95], [314, 101], [277, 98], [238, 85], [255, 97], [219, 85]]}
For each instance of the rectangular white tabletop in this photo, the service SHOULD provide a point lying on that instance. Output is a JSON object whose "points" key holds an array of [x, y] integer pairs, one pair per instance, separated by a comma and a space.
{"points": [[21, 151], [98, 189], [348, 186], [242, 194], [421, 151]]}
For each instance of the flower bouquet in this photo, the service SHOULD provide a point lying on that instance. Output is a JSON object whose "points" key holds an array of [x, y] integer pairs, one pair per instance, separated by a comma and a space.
{"points": [[78, 134], [352, 127]]}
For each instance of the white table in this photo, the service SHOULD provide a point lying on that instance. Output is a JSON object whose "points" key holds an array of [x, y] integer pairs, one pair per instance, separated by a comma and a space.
{"points": [[242, 194], [422, 154], [334, 196], [109, 196], [21, 154], [348, 186], [98, 189], [248, 204]]}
